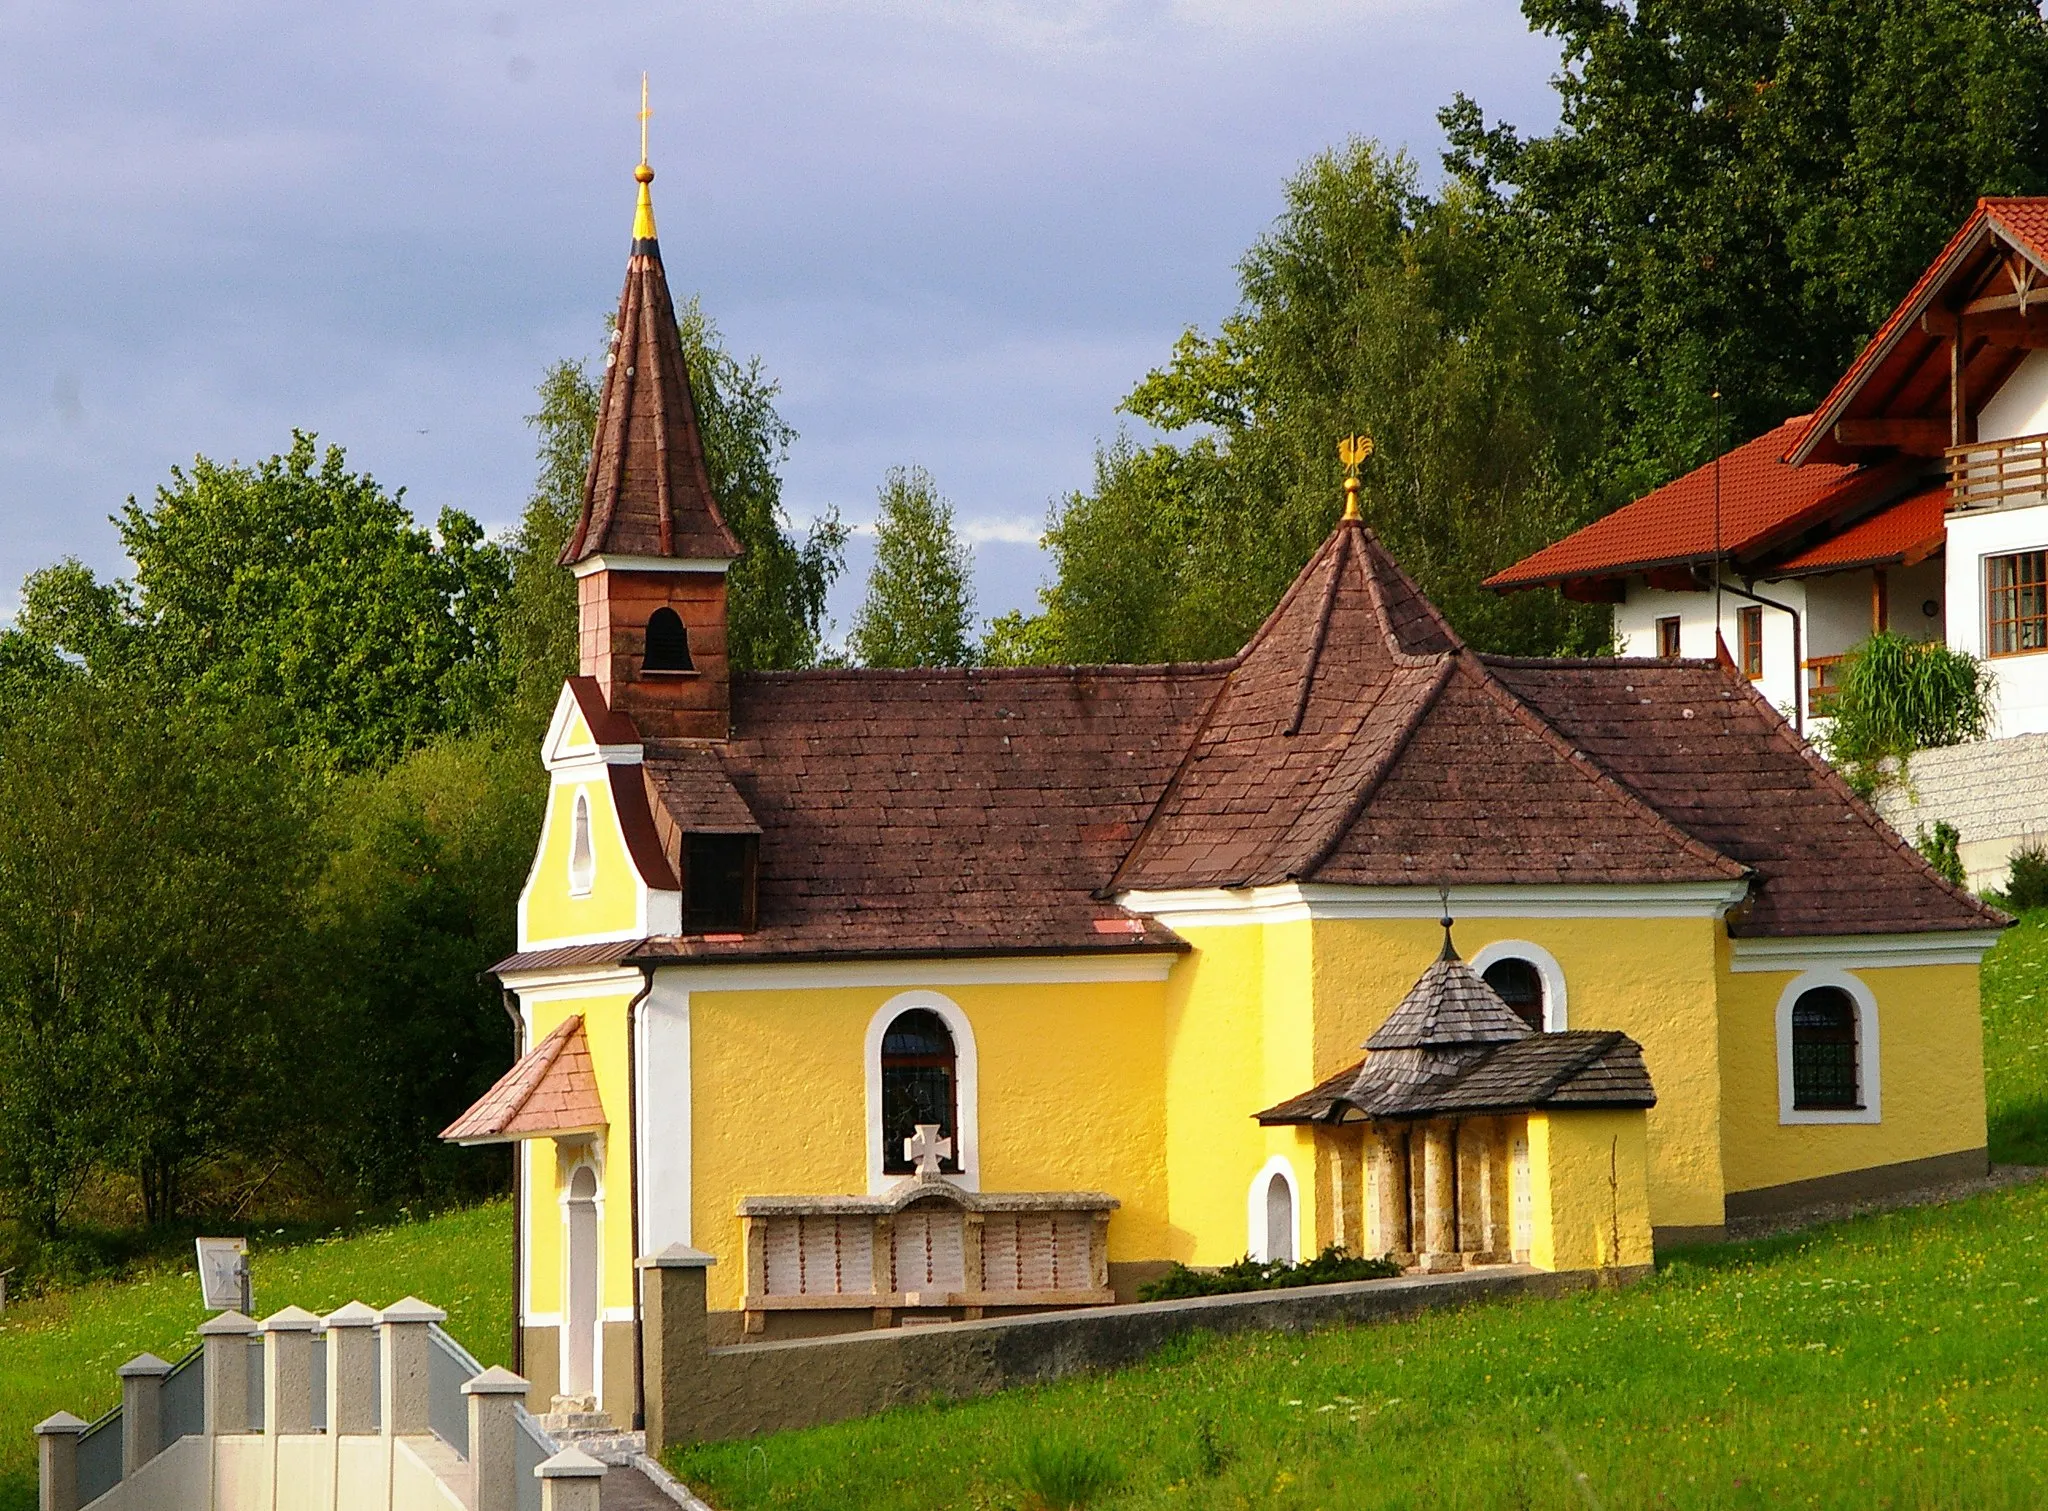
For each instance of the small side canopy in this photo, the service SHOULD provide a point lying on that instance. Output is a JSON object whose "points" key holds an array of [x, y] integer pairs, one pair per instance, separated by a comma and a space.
{"points": [[550, 1093]]}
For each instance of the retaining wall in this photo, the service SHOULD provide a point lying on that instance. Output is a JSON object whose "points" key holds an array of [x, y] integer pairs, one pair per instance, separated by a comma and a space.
{"points": [[1995, 792]]}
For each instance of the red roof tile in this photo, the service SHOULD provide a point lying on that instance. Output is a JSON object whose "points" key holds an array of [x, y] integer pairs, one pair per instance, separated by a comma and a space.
{"points": [[1910, 531], [551, 1090]]}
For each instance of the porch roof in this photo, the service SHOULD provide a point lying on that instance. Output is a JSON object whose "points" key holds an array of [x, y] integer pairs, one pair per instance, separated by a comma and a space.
{"points": [[1907, 532], [551, 1091]]}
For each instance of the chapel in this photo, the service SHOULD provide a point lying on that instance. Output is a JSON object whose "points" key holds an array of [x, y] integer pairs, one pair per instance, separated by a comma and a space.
{"points": [[907, 996]]}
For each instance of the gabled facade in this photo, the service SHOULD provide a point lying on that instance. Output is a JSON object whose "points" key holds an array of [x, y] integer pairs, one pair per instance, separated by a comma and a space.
{"points": [[945, 993], [1914, 499]]}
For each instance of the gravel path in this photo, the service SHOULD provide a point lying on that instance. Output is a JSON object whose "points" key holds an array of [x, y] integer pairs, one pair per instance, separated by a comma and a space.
{"points": [[2001, 1176]]}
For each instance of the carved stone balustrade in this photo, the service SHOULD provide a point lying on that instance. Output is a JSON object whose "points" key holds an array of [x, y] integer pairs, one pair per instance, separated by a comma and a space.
{"points": [[925, 1245]]}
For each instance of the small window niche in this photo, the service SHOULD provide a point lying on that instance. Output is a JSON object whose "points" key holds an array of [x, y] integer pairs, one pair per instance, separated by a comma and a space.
{"points": [[718, 883], [582, 858], [668, 644]]}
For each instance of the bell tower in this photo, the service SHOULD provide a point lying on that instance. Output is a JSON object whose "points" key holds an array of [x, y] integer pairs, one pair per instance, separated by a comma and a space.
{"points": [[650, 549]]}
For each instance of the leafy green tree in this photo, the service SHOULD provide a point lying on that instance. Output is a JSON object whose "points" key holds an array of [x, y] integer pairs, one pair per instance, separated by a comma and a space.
{"points": [[1368, 306], [298, 585], [149, 949], [919, 607], [776, 602], [1738, 190], [417, 896]]}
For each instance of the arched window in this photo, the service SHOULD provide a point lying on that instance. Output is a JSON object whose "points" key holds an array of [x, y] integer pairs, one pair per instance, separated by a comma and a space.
{"points": [[582, 860], [1519, 984], [1279, 1219], [919, 1085], [668, 644], [1824, 1051]]}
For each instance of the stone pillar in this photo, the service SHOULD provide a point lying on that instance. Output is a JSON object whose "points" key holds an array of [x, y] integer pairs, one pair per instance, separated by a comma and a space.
{"points": [[403, 1389], [226, 1362], [1500, 1230], [676, 1346], [569, 1481], [1472, 1139], [1390, 1192], [352, 1370], [288, 1370], [57, 1462], [142, 1411], [494, 1398], [754, 1254], [1439, 1200]]}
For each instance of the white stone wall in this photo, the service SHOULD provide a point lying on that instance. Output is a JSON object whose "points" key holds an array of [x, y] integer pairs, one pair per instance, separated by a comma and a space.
{"points": [[1995, 792]]}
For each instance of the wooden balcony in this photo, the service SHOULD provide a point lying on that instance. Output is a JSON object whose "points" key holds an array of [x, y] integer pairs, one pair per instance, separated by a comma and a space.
{"points": [[1998, 474], [925, 1245]]}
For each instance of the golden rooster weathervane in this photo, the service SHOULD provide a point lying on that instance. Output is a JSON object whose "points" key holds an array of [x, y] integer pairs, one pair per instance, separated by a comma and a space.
{"points": [[1352, 452]]}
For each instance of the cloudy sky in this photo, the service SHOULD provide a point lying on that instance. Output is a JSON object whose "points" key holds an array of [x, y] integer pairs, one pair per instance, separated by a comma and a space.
{"points": [[956, 231]]}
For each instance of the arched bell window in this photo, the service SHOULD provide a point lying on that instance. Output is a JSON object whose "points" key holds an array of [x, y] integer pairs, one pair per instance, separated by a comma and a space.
{"points": [[1824, 1051], [919, 1085], [582, 858], [668, 644], [1519, 984]]}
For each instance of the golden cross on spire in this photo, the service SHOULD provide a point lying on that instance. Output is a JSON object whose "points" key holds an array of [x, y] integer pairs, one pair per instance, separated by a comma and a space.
{"points": [[1352, 452], [643, 214], [645, 114]]}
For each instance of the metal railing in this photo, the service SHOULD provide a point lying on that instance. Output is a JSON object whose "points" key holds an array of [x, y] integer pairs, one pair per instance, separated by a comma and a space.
{"points": [[1994, 474]]}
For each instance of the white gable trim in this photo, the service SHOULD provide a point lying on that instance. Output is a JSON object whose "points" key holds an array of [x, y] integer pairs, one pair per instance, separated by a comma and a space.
{"points": [[594, 564], [1862, 952], [556, 755], [1052, 970], [1215, 907]]}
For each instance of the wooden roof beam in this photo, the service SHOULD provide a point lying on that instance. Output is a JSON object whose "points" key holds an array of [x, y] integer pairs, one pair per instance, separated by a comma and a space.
{"points": [[1916, 437]]}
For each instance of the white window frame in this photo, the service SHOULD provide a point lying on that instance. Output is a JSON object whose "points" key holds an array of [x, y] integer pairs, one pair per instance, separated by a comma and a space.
{"points": [[1555, 1017], [966, 1087], [1867, 1057], [583, 876], [1257, 1244]]}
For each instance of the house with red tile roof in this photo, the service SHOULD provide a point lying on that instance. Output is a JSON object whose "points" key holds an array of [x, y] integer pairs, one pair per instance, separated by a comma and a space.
{"points": [[896, 996]]}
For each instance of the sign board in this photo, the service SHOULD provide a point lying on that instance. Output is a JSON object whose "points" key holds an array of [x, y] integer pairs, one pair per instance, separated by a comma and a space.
{"points": [[224, 1274]]}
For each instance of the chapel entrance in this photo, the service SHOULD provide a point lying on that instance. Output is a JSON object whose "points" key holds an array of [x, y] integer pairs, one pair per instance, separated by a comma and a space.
{"points": [[579, 1312]]}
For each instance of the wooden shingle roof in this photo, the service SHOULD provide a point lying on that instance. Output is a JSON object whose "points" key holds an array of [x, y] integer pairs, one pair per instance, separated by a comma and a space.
{"points": [[551, 1090]]}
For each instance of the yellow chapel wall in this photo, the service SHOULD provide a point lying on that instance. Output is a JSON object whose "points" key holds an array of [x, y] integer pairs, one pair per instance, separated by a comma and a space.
{"points": [[613, 906], [1931, 1077], [1068, 1089]]}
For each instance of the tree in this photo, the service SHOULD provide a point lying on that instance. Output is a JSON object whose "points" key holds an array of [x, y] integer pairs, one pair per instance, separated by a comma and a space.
{"points": [[919, 607], [1368, 306], [1738, 190], [149, 947], [776, 601], [298, 585]]}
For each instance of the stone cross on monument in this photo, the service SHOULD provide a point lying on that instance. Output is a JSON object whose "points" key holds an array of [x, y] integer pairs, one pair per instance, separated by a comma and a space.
{"points": [[925, 1149]]}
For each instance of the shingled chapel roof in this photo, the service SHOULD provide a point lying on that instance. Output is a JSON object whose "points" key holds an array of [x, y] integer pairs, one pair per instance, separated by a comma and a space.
{"points": [[648, 493], [551, 1090], [1354, 741]]}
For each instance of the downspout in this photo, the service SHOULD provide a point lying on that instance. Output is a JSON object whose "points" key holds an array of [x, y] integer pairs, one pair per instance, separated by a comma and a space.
{"points": [[509, 999], [1798, 687], [633, 1194]]}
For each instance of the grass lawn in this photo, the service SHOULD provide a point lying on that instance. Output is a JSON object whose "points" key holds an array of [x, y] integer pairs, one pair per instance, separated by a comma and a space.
{"points": [[60, 1353], [1897, 1360]]}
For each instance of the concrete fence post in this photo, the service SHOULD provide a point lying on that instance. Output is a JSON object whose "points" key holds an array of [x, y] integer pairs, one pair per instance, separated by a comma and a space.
{"points": [[288, 1370], [494, 1398], [142, 1411], [569, 1481], [225, 1361], [676, 1342], [404, 1386], [351, 1369], [57, 1462]]}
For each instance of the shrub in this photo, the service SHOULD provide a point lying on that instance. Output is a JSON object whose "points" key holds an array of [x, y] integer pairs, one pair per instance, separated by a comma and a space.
{"points": [[2026, 887], [1899, 696], [1940, 848], [1063, 1476], [1248, 1274]]}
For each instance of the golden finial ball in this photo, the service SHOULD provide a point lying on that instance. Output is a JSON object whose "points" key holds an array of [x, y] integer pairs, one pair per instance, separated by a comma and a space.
{"points": [[644, 174]]}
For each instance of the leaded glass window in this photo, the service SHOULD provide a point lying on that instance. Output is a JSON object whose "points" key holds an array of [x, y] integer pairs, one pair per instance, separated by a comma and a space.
{"points": [[919, 1085], [1824, 1068]]}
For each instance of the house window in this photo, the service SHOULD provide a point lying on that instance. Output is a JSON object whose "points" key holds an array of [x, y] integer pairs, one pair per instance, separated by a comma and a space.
{"points": [[1519, 984], [718, 883], [1824, 1051], [919, 1085], [1667, 637], [582, 859], [2016, 603], [1750, 633], [668, 644]]}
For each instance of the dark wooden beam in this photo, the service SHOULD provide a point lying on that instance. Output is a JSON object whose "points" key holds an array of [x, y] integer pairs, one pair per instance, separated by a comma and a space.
{"points": [[1595, 590], [1674, 580], [1916, 437]]}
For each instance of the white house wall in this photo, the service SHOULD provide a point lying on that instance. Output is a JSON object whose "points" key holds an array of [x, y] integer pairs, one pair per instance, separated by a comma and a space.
{"points": [[1635, 628], [2020, 407], [2020, 687]]}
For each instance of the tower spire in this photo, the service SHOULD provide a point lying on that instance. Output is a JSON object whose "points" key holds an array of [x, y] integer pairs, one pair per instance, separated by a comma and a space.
{"points": [[643, 213], [1352, 452]]}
